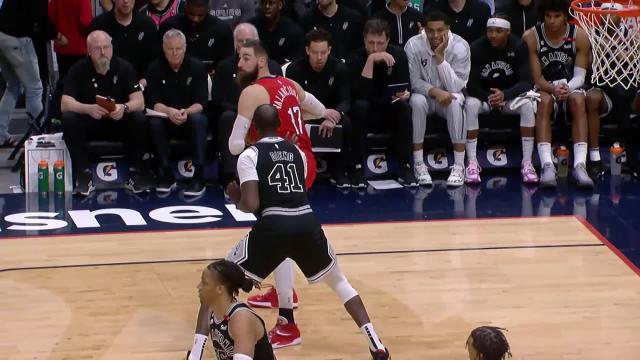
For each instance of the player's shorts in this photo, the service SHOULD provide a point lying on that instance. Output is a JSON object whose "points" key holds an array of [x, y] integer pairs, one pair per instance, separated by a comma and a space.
{"points": [[608, 103], [311, 167], [285, 233]]}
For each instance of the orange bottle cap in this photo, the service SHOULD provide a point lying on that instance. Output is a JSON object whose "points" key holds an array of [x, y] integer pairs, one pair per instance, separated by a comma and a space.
{"points": [[43, 163], [563, 151], [617, 150], [59, 163]]}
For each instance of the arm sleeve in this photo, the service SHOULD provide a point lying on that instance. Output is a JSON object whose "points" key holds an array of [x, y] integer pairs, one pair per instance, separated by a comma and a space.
{"points": [[238, 134], [418, 84], [247, 165], [525, 82], [454, 75]]}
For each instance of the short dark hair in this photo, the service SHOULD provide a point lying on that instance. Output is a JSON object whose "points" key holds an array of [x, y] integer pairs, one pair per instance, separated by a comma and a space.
{"points": [[266, 118], [318, 35], [490, 342], [553, 5], [257, 46], [376, 26], [198, 2], [433, 16], [231, 276], [502, 15]]}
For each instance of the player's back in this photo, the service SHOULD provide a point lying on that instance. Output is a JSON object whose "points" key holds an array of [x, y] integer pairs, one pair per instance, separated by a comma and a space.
{"points": [[284, 97]]}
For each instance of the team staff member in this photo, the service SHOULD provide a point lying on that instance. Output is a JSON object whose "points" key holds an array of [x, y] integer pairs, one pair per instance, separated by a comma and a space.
{"points": [[134, 35], [177, 87], [468, 18], [82, 119], [403, 20], [282, 37], [208, 38]]}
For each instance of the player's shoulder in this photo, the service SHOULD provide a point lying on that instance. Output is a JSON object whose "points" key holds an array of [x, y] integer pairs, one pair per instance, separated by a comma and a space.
{"points": [[581, 37]]}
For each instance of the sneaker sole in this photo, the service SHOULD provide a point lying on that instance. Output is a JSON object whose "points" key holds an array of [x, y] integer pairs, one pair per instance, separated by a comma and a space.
{"points": [[193, 193], [295, 342], [166, 190], [359, 186], [452, 184], [548, 185]]}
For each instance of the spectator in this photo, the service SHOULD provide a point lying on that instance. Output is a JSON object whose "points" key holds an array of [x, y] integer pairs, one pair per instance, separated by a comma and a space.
{"points": [[72, 19], [343, 23], [177, 87], [328, 80], [439, 65], [488, 343], [82, 119], [402, 18], [233, 12], [161, 10], [107, 5], [134, 35], [500, 72], [19, 21], [468, 18], [225, 93], [360, 6], [282, 37], [523, 14], [208, 38], [373, 68]]}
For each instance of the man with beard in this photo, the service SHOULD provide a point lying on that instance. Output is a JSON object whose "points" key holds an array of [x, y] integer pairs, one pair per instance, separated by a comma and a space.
{"points": [[134, 35], [281, 36], [162, 10], [82, 119], [208, 38], [225, 93]]}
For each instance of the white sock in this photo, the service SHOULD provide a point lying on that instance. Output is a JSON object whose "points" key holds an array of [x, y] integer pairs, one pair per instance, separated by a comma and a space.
{"points": [[527, 148], [418, 156], [284, 283], [579, 153], [458, 157], [544, 152], [594, 154], [372, 338], [471, 146]]}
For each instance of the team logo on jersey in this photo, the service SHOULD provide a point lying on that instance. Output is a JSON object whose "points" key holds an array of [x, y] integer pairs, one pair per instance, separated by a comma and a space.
{"points": [[511, 53], [437, 159], [497, 156], [107, 171], [377, 163], [345, 25], [424, 62], [281, 42], [189, 80], [141, 36], [544, 48], [470, 22], [115, 79], [211, 41], [331, 81], [567, 46], [185, 168]]}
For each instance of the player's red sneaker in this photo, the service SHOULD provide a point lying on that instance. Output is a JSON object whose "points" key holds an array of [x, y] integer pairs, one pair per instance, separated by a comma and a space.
{"points": [[269, 299], [380, 354], [284, 334]]}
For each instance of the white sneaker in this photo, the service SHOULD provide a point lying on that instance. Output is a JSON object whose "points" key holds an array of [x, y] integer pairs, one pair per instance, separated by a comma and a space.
{"points": [[422, 173], [456, 176]]}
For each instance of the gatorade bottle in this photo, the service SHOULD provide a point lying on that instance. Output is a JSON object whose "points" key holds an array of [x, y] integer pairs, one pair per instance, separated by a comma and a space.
{"points": [[58, 177], [563, 161], [43, 177], [615, 158]]}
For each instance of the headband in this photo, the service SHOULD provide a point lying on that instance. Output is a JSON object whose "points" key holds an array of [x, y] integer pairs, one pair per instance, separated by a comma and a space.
{"points": [[499, 23]]}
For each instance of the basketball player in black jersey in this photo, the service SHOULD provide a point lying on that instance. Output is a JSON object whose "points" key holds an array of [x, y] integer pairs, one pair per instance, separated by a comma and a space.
{"points": [[272, 186], [237, 333], [559, 56]]}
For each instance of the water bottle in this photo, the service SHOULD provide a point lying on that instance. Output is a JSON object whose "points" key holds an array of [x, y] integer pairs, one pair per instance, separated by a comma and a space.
{"points": [[615, 159], [43, 177], [563, 161], [58, 177]]}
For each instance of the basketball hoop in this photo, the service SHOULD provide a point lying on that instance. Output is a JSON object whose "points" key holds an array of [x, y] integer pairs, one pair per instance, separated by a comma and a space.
{"points": [[613, 29]]}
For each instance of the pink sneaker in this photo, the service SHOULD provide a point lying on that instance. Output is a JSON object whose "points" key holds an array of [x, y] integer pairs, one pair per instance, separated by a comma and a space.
{"points": [[472, 173], [269, 299], [284, 334], [528, 173]]}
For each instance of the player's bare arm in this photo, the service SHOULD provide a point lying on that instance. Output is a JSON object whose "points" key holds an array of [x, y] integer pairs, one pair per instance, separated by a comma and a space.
{"points": [[536, 70], [245, 330]]}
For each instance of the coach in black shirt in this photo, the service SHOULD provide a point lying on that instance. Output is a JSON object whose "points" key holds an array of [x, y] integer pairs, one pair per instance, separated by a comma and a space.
{"points": [[328, 80], [208, 38], [468, 17], [282, 37], [343, 23], [225, 93], [177, 87], [134, 35], [373, 68], [82, 119], [404, 21]]}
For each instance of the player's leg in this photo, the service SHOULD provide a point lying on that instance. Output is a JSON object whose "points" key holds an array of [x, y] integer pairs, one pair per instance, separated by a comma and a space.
{"points": [[543, 137], [527, 133], [419, 111], [579, 129], [454, 114], [596, 105], [472, 108]]}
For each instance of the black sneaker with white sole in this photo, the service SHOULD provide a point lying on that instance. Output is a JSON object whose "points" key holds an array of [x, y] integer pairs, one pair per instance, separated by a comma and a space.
{"points": [[358, 180], [196, 188], [84, 183], [406, 176], [166, 182], [136, 183], [340, 180]]}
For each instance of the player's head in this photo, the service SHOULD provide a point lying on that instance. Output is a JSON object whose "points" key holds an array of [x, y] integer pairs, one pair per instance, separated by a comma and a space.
{"points": [[266, 120], [488, 343], [196, 11], [242, 33], [318, 48], [436, 25], [222, 279], [324, 4], [251, 58], [498, 30], [271, 8], [376, 35], [554, 12]]}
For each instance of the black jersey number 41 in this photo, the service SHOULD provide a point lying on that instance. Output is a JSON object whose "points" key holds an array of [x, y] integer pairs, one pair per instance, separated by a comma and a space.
{"points": [[286, 179]]}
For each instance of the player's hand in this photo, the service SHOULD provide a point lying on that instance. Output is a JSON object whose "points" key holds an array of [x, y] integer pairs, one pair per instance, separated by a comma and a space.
{"points": [[561, 92], [182, 116], [383, 57], [444, 98], [333, 115], [439, 50], [496, 99], [96, 111], [326, 128], [401, 96], [118, 113], [233, 191]]}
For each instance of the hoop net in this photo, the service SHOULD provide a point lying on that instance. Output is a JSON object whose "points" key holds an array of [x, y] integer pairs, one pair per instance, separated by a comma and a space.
{"points": [[613, 29]]}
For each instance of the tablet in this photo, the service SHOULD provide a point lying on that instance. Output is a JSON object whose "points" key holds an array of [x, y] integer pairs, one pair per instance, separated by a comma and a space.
{"points": [[393, 89], [320, 144]]}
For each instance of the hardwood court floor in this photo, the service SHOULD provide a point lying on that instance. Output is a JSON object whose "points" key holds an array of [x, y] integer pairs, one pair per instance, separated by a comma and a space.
{"points": [[561, 294]]}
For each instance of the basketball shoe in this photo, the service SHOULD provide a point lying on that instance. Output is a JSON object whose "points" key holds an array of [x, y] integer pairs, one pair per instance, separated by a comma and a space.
{"points": [[472, 173], [269, 299], [285, 334], [380, 354]]}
